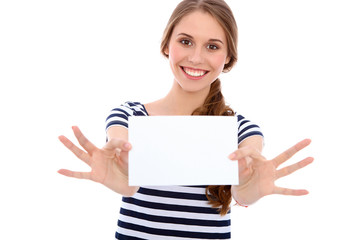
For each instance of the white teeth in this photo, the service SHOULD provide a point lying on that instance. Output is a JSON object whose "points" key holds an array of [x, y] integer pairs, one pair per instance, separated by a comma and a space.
{"points": [[194, 73]]}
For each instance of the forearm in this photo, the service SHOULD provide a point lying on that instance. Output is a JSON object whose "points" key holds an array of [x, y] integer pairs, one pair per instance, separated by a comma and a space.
{"points": [[239, 197]]}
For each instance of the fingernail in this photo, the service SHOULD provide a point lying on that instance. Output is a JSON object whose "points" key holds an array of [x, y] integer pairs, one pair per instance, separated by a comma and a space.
{"points": [[127, 145]]}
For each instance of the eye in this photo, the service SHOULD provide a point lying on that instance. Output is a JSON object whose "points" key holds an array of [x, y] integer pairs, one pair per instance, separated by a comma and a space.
{"points": [[186, 42], [212, 47]]}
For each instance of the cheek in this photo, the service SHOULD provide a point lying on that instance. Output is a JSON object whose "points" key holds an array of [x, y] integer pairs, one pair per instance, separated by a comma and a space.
{"points": [[175, 54], [218, 61]]}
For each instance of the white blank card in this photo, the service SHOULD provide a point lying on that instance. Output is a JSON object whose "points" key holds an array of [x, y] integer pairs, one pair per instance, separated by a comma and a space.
{"points": [[182, 150]]}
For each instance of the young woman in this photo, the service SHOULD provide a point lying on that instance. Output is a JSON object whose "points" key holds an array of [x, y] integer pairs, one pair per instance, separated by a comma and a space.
{"points": [[200, 42]]}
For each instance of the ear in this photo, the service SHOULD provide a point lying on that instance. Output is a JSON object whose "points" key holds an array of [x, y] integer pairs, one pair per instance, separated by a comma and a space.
{"points": [[227, 60], [166, 50]]}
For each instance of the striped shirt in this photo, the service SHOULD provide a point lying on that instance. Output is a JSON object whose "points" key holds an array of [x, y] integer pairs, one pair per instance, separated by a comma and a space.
{"points": [[171, 212]]}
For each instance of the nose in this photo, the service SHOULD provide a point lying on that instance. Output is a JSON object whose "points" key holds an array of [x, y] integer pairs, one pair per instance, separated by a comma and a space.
{"points": [[196, 56]]}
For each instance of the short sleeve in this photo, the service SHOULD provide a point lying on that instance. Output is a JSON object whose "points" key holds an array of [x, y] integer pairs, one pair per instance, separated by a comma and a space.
{"points": [[246, 128], [120, 116]]}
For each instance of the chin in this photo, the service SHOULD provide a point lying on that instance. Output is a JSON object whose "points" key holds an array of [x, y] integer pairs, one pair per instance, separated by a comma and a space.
{"points": [[194, 88]]}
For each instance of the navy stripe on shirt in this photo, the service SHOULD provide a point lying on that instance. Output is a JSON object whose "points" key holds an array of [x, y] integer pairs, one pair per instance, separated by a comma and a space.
{"points": [[170, 207], [174, 233], [169, 194], [125, 237], [176, 220]]}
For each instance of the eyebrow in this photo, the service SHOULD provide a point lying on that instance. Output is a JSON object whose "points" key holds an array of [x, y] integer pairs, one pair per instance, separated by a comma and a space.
{"points": [[211, 39]]}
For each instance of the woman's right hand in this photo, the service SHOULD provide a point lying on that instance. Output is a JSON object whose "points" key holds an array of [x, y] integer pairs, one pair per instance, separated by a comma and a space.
{"points": [[109, 165]]}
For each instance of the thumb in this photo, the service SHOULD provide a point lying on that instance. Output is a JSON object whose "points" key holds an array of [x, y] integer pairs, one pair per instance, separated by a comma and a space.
{"points": [[118, 145]]}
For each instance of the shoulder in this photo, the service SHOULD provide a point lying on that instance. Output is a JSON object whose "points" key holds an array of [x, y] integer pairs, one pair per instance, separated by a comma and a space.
{"points": [[130, 108]]}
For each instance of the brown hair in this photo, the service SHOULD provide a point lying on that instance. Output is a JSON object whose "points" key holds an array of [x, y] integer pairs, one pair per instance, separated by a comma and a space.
{"points": [[214, 104]]}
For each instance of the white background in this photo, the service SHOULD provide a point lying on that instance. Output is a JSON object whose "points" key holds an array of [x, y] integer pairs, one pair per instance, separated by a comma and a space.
{"points": [[65, 63]]}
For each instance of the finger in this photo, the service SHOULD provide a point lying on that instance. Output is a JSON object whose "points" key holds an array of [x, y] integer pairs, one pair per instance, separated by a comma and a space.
{"points": [[117, 152], [290, 152], [73, 148], [84, 142], [119, 159], [244, 163], [290, 192], [292, 168], [118, 145], [79, 175], [247, 153]]}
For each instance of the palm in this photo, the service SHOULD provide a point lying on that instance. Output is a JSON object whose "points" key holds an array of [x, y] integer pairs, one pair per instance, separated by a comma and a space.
{"points": [[258, 176], [105, 166], [263, 177]]}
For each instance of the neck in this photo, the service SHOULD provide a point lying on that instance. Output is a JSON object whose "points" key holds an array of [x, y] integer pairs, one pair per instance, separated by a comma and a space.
{"points": [[180, 102]]}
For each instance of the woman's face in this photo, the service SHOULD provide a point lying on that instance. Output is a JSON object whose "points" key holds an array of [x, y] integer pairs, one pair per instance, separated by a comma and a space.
{"points": [[197, 51]]}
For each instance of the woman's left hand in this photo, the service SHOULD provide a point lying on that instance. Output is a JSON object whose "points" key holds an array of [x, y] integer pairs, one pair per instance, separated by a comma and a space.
{"points": [[257, 175]]}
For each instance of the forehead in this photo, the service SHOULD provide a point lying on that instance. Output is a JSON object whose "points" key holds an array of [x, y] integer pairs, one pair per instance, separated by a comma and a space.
{"points": [[200, 24]]}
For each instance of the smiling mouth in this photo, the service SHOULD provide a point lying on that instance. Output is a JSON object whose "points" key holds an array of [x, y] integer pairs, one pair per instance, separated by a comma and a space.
{"points": [[195, 73]]}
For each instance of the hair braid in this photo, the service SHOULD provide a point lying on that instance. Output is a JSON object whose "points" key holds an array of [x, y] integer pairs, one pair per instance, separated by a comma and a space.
{"points": [[214, 104]]}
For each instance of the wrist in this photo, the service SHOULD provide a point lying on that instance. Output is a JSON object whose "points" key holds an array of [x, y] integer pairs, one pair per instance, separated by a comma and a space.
{"points": [[240, 197]]}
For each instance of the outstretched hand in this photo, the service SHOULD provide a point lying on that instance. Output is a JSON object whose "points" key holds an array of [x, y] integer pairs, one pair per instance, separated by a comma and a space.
{"points": [[257, 175], [109, 165]]}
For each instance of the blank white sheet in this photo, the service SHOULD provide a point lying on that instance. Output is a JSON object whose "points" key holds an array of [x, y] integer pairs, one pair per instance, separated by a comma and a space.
{"points": [[182, 150]]}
